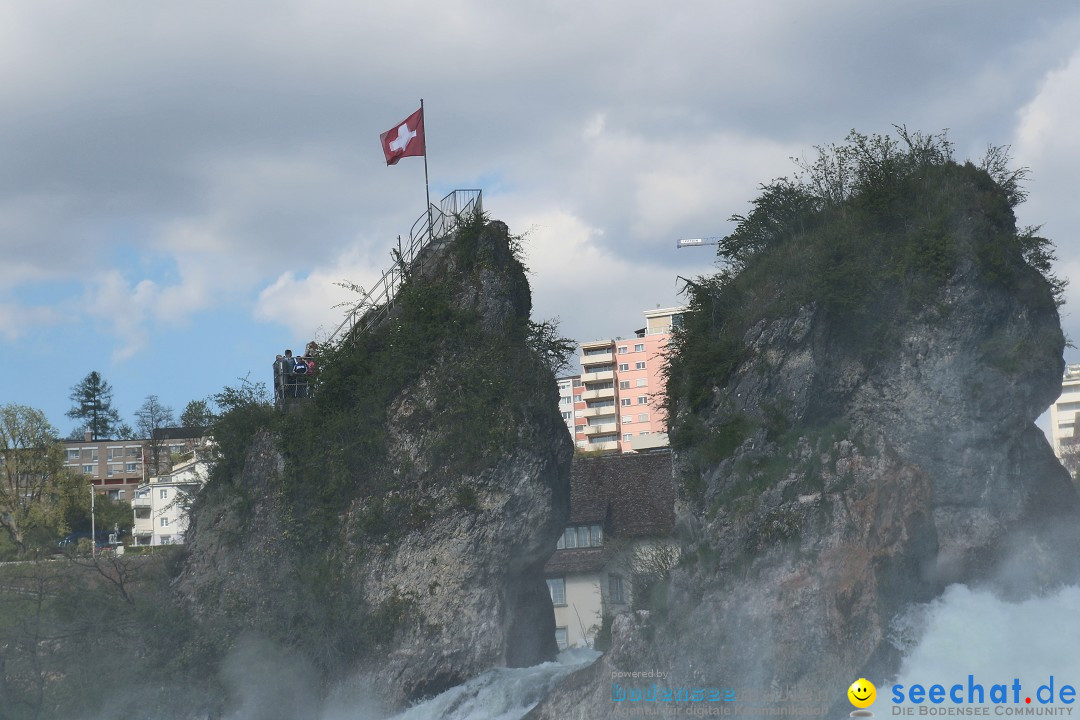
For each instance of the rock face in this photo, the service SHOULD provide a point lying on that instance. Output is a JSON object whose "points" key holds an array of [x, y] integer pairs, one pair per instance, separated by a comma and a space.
{"points": [[824, 487], [397, 528]]}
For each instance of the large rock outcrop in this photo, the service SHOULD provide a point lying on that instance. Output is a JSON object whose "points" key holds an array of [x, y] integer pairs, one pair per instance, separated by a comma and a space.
{"points": [[395, 530], [854, 432]]}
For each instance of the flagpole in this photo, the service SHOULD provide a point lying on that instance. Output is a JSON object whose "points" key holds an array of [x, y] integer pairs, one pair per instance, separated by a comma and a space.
{"points": [[427, 186]]}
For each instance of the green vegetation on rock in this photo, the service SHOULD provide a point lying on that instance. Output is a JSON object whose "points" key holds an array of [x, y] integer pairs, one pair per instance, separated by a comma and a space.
{"points": [[869, 232]]}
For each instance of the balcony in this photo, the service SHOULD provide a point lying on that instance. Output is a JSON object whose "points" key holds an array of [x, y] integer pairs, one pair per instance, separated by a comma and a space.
{"points": [[596, 359], [611, 410], [598, 394], [598, 376], [140, 502], [604, 429], [610, 445]]}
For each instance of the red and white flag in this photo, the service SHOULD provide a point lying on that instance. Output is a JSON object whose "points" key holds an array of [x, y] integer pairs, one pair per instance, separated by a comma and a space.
{"points": [[406, 139]]}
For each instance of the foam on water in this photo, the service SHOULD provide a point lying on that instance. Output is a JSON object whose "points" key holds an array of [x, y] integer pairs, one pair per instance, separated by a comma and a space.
{"points": [[973, 632], [502, 693]]}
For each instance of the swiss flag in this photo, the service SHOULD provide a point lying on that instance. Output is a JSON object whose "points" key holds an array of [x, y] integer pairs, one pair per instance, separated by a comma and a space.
{"points": [[405, 139]]}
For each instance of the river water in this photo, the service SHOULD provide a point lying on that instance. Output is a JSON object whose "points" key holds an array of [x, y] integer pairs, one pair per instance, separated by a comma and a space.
{"points": [[964, 632]]}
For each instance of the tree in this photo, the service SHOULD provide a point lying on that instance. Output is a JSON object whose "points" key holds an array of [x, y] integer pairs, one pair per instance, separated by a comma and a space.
{"points": [[93, 405], [153, 416], [197, 415], [35, 489], [554, 349]]}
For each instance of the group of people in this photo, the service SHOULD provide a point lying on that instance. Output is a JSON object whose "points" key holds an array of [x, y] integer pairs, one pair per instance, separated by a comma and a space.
{"points": [[291, 374]]}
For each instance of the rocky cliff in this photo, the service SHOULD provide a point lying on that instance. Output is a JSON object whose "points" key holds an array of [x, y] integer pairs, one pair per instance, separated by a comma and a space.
{"points": [[394, 531], [854, 401]]}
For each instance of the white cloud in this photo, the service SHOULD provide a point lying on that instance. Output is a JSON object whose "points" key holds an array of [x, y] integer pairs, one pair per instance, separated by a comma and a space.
{"points": [[1046, 141], [16, 320], [310, 306]]}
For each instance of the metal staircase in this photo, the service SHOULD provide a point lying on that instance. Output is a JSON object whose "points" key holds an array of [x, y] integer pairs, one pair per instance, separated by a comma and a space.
{"points": [[433, 231]]}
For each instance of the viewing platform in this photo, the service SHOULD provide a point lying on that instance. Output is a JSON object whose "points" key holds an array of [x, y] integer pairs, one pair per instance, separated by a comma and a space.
{"points": [[430, 233]]}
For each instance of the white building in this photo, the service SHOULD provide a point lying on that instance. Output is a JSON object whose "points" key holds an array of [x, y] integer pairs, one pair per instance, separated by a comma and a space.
{"points": [[1063, 412], [621, 512], [566, 399], [161, 504]]}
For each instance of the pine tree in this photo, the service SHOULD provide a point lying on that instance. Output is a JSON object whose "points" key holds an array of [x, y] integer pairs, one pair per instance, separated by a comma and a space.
{"points": [[93, 405]]}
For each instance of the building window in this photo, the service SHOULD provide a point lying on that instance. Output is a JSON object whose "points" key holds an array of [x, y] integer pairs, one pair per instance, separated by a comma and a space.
{"points": [[627, 437], [73, 454], [624, 384], [164, 522], [567, 415], [640, 347], [622, 349], [88, 469], [628, 418], [640, 365], [132, 467], [676, 321], [643, 400], [623, 367], [561, 638], [642, 382], [557, 587], [646, 432], [582, 536], [165, 540], [579, 428], [576, 382], [615, 589], [164, 494], [566, 400], [626, 401], [643, 417]]}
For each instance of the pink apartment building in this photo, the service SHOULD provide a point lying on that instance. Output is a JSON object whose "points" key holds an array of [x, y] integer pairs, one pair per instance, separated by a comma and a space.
{"points": [[618, 398]]}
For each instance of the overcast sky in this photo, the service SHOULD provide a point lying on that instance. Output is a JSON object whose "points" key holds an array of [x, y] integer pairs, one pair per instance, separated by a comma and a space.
{"points": [[181, 184]]}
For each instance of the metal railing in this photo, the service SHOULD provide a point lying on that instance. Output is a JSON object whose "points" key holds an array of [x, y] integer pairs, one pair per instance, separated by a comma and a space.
{"points": [[376, 304]]}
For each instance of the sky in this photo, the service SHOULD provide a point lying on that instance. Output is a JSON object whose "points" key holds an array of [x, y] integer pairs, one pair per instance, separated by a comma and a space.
{"points": [[182, 185]]}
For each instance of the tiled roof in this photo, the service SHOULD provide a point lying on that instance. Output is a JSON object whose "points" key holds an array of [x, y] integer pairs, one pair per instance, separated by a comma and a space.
{"points": [[578, 560], [630, 495]]}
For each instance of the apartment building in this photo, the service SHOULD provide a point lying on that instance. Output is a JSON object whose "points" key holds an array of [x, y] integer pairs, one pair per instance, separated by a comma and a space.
{"points": [[117, 467], [1063, 413], [114, 467], [567, 386], [618, 404]]}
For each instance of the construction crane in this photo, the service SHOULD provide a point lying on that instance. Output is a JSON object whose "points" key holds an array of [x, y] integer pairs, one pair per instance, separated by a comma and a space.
{"points": [[695, 242]]}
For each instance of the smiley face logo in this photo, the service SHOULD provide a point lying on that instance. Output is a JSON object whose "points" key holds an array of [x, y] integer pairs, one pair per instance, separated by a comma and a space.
{"points": [[862, 693]]}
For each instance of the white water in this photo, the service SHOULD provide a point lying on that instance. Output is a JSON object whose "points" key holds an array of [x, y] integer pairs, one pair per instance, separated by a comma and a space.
{"points": [[964, 632], [502, 693], [972, 632]]}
